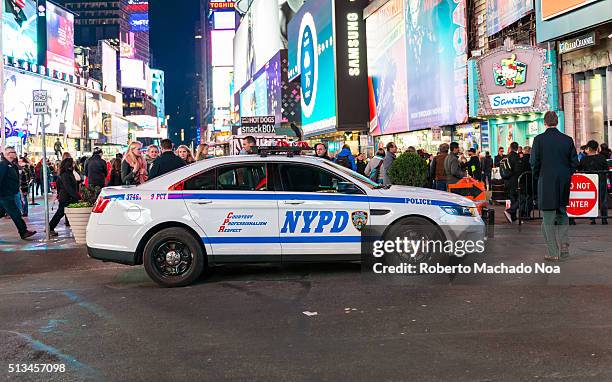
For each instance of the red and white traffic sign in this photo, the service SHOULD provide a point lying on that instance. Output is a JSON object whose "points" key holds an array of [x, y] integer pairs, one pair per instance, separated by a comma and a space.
{"points": [[584, 193]]}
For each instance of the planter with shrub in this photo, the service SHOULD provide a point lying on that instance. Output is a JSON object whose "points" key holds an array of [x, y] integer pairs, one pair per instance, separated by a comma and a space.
{"points": [[408, 169], [78, 213]]}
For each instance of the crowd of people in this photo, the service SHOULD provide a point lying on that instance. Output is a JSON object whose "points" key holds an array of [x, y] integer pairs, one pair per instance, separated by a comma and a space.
{"points": [[514, 169]]}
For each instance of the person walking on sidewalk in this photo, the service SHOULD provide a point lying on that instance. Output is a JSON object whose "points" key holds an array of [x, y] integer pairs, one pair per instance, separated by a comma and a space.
{"points": [[594, 161], [96, 169], [66, 192], [9, 187], [510, 169], [553, 161], [487, 169]]}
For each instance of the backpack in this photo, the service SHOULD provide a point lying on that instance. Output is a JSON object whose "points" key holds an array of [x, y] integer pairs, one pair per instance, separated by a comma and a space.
{"points": [[375, 173], [344, 162], [505, 170]]}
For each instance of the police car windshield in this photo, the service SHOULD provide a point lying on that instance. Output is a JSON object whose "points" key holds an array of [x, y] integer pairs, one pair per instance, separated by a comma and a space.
{"points": [[363, 179]]}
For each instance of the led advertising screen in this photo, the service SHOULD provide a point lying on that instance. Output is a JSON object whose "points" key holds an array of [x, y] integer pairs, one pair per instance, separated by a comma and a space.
{"points": [[262, 96], [19, 30], [134, 74], [158, 94], [60, 39], [109, 67], [311, 55], [386, 41], [221, 82], [501, 13], [18, 105], [224, 20], [221, 41], [139, 22], [437, 63]]}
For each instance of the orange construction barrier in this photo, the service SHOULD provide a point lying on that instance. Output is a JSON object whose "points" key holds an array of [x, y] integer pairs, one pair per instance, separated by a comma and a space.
{"points": [[470, 188]]}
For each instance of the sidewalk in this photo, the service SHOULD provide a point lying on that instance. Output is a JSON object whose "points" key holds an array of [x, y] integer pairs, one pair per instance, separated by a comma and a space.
{"points": [[10, 240]]}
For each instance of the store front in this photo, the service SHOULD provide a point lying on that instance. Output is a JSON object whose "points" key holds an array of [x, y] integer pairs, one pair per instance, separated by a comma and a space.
{"points": [[512, 87], [587, 85]]}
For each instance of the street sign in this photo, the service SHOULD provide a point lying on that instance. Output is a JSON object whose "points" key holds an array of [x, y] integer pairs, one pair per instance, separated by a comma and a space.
{"points": [[584, 192], [470, 188], [39, 99]]}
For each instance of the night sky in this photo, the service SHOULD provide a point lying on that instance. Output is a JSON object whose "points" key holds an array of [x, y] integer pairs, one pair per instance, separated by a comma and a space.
{"points": [[173, 49]]}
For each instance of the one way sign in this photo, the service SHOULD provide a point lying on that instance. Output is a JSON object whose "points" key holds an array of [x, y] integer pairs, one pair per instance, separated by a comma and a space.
{"points": [[39, 98]]}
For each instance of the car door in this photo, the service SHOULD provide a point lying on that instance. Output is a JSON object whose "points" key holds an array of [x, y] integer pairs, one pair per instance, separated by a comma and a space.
{"points": [[321, 213], [235, 207]]}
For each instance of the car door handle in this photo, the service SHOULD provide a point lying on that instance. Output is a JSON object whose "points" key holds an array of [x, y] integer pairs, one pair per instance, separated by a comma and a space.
{"points": [[293, 202], [202, 202]]}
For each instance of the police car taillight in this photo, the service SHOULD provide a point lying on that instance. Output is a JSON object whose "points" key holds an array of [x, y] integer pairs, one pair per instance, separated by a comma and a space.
{"points": [[100, 205], [180, 186]]}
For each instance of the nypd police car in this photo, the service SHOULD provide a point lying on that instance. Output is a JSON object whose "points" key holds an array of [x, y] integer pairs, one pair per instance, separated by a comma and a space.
{"points": [[258, 208]]}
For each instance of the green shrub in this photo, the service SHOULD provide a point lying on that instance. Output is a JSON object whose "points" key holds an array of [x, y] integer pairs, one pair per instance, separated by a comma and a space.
{"points": [[89, 195], [408, 169]]}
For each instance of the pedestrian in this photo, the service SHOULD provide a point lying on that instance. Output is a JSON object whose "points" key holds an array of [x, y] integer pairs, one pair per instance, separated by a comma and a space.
{"points": [[411, 149], [38, 178], [115, 175], [553, 161], [594, 161], [437, 168], [390, 156], [166, 162], [525, 184], [374, 166], [249, 145], [452, 168], [321, 151], [510, 169], [605, 151], [185, 154], [67, 193], [345, 158], [500, 155], [9, 187], [152, 154], [361, 163], [24, 184], [96, 170], [486, 163], [57, 147], [473, 165], [133, 166], [202, 152]]}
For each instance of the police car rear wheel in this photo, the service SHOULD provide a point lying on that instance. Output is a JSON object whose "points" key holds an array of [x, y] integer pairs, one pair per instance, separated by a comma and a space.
{"points": [[173, 257]]}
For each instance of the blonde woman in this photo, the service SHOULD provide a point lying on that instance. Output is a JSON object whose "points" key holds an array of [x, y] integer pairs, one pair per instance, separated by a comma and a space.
{"points": [[134, 166], [185, 154], [202, 152]]}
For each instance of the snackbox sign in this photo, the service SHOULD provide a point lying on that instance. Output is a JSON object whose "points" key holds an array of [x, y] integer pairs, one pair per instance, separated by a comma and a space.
{"points": [[513, 81]]}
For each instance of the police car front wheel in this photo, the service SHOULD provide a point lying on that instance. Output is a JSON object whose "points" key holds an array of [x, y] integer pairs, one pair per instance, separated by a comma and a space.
{"points": [[173, 257]]}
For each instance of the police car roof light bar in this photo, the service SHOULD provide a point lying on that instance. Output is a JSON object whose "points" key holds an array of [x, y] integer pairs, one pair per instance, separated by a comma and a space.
{"points": [[264, 151]]}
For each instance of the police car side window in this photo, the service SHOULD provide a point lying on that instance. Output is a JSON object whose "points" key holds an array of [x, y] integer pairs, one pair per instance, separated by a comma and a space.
{"points": [[202, 182], [251, 177], [301, 178]]}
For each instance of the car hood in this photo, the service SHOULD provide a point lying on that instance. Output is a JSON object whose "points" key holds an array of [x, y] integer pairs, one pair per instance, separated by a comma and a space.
{"points": [[426, 193]]}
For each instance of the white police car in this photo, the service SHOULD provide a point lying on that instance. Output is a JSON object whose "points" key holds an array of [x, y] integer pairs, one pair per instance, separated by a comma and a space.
{"points": [[255, 208]]}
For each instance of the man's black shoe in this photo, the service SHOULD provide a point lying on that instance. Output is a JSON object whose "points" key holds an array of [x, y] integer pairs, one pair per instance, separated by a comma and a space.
{"points": [[28, 234], [53, 233]]}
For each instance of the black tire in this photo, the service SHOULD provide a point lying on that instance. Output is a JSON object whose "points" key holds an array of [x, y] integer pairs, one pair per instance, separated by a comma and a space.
{"points": [[161, 262], [416, 228]]}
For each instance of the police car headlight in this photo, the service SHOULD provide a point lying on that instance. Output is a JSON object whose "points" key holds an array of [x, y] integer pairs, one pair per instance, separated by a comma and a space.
{"points": [[460, 211]]}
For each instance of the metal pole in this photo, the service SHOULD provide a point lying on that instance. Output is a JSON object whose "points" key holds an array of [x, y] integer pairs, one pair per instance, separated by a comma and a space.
{"points": [[45, 180], [3, 137]]}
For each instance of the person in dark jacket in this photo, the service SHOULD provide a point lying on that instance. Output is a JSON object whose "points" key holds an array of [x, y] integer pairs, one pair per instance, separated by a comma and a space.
{"points": [[486, 164], [511, 184], [526, 184], [24, 184], [67, 193], [553, 161], [321, 151], [9, 187], [115, 176], [437, 168], [166, 162], [361, 163], [96, 170], [593, 161], [500, 155], [345, 158], [473, 165]]}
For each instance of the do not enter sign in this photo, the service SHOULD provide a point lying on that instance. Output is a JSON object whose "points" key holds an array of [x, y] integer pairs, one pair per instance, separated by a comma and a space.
{"points": [[583, 196]]}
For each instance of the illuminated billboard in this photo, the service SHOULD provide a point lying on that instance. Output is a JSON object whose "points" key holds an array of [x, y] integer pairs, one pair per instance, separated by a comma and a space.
{"points": [[109, 67], [437, 63], [18, 107], [19, 32], [60, 39], [221, 4], [386, 41], [221, 53], [135, 74], [158, 94], [501, 13], [221, 82], [139, 22], [328, 51], [224, 20]]}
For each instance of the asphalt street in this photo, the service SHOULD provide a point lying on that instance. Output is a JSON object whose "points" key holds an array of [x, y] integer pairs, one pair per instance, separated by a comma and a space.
{"points": [[108, 322]]}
